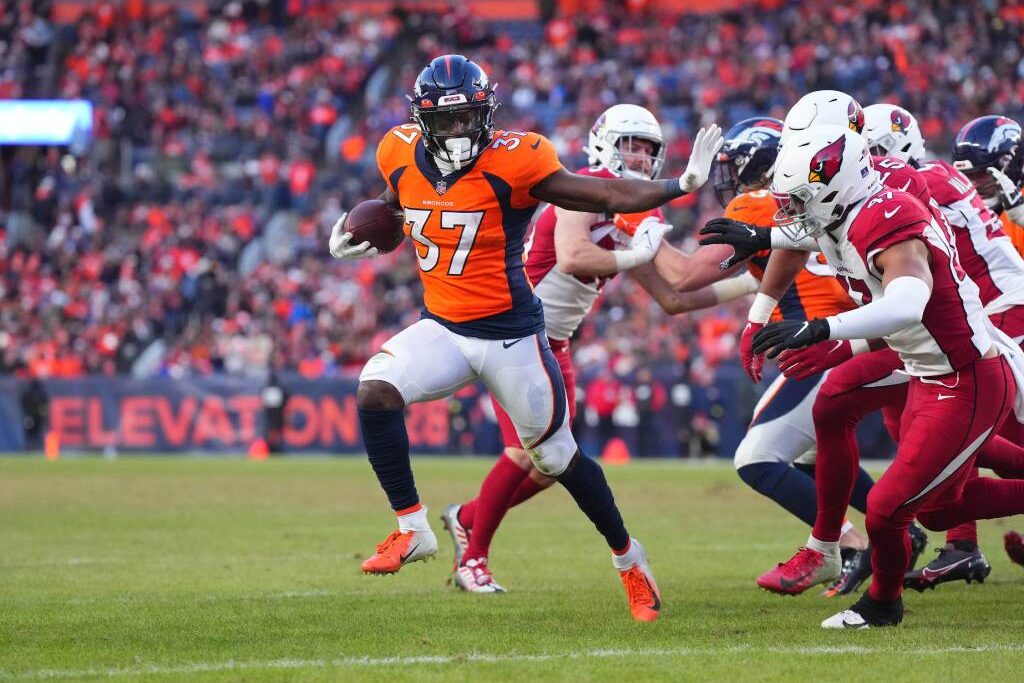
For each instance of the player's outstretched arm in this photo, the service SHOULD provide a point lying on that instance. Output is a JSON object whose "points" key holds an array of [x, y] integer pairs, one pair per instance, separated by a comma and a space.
{"points": [[690, 272], [907, 283], [672, 301], [627, 195], [577, 254], [748, 239]]}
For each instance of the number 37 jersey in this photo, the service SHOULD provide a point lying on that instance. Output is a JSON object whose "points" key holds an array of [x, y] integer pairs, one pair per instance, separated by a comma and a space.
{"points": [[468, 229]]}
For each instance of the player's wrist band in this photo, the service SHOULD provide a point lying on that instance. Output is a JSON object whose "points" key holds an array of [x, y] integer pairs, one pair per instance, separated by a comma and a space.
{"points": [[778, 240], [673, 187], [761, 309], [625, 259]]}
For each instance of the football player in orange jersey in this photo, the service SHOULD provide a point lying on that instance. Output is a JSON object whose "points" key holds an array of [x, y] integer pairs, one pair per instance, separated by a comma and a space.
{"points": [[571, 256], [468, 193]]}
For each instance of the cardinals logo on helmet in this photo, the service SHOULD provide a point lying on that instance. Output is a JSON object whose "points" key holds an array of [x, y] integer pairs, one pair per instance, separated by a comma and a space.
{"points": [[825, 164], [900, 120], [856, 116]]}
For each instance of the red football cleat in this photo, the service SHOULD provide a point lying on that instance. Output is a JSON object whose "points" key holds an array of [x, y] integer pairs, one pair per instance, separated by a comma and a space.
{"points": [[805, 569]]}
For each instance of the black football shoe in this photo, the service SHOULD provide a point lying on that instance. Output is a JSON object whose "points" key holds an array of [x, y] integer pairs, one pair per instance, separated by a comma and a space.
{"points": [[918, 543], [952, 564], [867, 613], [856, 570]]}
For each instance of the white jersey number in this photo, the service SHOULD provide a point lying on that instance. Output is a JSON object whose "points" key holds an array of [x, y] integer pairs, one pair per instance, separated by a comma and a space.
{"points": [[450, 220]]}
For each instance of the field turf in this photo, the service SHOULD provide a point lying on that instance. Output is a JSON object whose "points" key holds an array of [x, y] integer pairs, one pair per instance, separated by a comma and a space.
{"points": [[225, 569]]}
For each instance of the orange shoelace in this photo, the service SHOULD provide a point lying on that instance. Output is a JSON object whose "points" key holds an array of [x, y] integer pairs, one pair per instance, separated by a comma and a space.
{"points": [[638, 591], [388, 542]]}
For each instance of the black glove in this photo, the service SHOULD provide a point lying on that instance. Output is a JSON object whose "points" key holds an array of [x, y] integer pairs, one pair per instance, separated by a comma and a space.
{"points": [[790, 334], [745, 238]]}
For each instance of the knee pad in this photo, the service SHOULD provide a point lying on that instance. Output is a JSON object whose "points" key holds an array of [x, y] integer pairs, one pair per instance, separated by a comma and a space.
{"points": [[553, 456]]}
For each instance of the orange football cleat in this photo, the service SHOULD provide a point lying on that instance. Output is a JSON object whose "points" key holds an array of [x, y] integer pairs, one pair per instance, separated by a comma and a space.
{"points": [[401, 548]]}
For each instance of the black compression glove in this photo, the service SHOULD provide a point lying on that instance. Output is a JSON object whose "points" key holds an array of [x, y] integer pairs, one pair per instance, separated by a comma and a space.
{"points": [[790, 334], [745, 238]]}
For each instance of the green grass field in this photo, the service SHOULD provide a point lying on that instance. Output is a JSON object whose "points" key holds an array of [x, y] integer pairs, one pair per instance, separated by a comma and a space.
{"points": [[225, 569]]}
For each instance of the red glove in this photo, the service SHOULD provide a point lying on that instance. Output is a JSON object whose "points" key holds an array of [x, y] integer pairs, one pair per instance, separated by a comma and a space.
{"points": [[814, 359], [752, 362]]}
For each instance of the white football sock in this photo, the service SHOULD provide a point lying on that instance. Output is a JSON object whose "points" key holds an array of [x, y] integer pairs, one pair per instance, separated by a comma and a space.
{"points": [[414, 521], [827, 548]]}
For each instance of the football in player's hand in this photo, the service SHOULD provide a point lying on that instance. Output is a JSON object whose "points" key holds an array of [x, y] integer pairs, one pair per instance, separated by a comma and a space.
{"points": [[374, 221]]}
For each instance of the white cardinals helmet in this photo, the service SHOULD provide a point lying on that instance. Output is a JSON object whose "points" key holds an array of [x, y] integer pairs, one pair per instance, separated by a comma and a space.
{"points": [[893, 131], [820, 173], [823, 107], [613, 134]]}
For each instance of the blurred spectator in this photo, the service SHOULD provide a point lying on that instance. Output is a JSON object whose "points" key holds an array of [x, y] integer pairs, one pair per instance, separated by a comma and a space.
{"points": [[35, 412], [190, 238]]}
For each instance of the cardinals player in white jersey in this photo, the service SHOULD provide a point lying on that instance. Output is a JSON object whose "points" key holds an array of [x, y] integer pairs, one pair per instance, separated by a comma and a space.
{"points": [[869, 382], [987, 254], [903, 272], [571, 256]]}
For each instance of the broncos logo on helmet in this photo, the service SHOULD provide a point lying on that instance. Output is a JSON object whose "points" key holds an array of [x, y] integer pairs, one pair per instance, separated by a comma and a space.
{"points": [[856, 115], [900, 120], [826, 163], [1006, 131]]}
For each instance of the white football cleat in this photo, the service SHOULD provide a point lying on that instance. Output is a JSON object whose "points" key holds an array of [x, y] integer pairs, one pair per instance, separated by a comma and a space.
{"points": [[475, 577], [867, 613], [845, 619], [460, 534]]}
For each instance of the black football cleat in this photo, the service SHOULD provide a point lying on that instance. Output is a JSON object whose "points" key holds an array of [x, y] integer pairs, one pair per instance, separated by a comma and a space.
{"points": [[918, 544], [867, 613], [951, 565], [856, 570]]}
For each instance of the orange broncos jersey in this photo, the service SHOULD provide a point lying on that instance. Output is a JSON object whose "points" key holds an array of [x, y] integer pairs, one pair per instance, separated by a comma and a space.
{"points": [[1014, 232], [468, 229], [815, 293]]}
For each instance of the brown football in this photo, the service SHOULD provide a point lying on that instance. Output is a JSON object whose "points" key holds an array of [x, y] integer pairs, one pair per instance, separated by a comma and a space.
{"points": [[373, 221]]}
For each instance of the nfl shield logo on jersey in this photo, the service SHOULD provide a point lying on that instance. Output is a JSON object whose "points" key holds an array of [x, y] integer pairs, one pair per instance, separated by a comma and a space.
{"points": [[441, 187]]}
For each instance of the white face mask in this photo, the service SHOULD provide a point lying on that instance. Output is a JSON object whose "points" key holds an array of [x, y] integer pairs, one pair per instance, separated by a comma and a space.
{"points": [[460, 150]]}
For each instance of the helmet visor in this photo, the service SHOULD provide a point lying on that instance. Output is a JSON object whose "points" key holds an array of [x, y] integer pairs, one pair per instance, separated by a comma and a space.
{"points": [[454, 123]]}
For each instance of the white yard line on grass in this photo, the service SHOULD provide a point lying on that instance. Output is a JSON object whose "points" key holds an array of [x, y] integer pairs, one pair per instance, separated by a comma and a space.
{"points": [[374, 662]]}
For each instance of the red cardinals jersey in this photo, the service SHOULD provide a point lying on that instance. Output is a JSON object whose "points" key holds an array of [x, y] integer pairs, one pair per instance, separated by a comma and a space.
{"points": [[469, 227], [815, 293], [986, 252], [953, 333], [568, 298]]}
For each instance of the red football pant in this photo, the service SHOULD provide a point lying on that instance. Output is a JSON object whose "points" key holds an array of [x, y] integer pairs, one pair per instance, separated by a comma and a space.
{"points": [[946, 421], [853, 390], [508, 484]]}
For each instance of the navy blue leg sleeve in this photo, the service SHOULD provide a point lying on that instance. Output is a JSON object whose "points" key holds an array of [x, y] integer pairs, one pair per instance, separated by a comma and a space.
{"points": [[789, 487], [584, 480], [387, 445]]}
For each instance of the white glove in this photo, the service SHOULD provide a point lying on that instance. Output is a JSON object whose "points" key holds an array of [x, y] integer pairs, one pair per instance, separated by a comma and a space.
{"points": [[705, 151], [340, 248], [644, 245], [648, 236], [1009, 195]]}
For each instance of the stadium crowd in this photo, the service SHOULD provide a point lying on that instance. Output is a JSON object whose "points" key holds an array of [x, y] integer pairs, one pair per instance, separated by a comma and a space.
{"points": [[190, 238]]}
